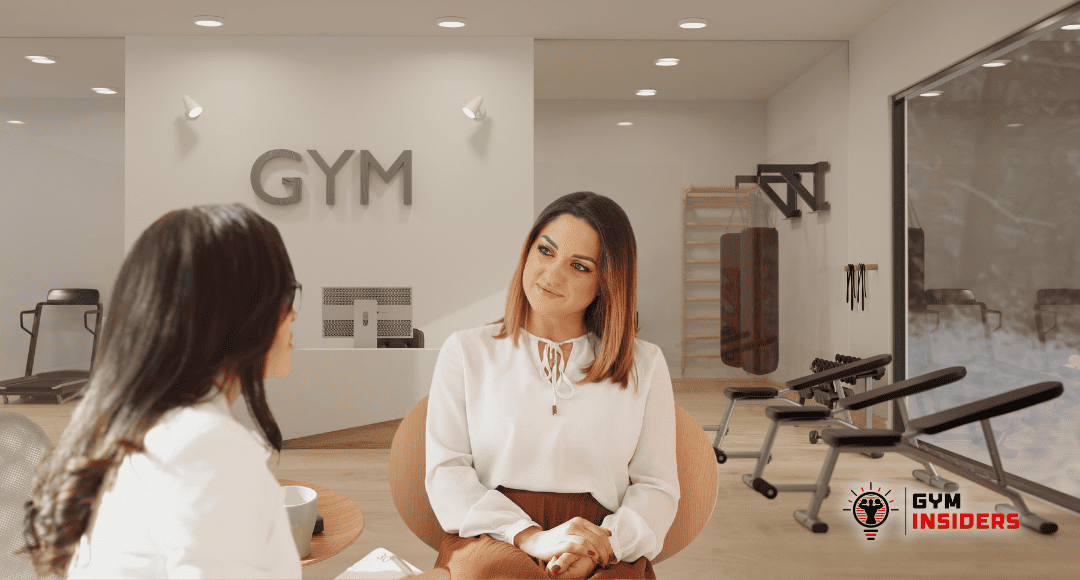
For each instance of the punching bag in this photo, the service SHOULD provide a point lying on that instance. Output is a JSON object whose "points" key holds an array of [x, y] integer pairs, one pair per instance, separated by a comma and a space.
{"points": [[730, 263], [759, 284]]}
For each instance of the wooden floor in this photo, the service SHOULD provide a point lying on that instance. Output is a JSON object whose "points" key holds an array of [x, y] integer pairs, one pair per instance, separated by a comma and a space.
{"points": [[748, 536]]}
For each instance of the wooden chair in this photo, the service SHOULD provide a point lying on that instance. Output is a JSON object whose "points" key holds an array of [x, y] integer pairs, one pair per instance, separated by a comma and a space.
{"points": [[698, 481]]}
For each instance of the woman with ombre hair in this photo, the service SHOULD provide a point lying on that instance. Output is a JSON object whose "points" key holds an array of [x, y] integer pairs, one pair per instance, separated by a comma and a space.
{"points": [[587, 486]]}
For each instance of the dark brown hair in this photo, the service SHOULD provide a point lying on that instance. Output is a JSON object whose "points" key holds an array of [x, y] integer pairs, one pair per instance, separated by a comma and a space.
{"points": [[202, 292], [611, 316]]}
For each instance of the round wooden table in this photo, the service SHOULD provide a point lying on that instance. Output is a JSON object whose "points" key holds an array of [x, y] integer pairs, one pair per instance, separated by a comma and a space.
{"points": [[342, 522]]}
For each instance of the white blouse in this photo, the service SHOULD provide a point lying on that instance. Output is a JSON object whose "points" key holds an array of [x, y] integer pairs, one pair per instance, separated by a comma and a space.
{"points": [[199, 503], [490, 423]]}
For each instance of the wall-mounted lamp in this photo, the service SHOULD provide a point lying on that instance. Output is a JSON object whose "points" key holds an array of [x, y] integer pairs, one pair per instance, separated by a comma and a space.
{"points": [[473, 109], [193, 109]]}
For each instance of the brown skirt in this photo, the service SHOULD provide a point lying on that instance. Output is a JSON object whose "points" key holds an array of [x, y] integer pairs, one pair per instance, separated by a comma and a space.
{"points": [[485, 557]]}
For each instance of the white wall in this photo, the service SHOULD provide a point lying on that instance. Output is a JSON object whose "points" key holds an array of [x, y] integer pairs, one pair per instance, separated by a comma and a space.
{"points": [[61, 224], [644, 167], [456, 246], [807, 123]]}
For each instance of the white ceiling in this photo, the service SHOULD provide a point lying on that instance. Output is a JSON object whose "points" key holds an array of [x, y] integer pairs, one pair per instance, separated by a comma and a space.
{"points": [[738, 70], [586, 49]]}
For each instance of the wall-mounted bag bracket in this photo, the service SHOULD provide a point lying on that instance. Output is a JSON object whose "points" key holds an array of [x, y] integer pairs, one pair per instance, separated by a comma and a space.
{"points": [[791, 175]]}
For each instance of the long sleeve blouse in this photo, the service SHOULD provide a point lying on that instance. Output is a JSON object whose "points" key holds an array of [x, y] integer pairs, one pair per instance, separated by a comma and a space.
{"points": [[199, 503], [490, 424]]}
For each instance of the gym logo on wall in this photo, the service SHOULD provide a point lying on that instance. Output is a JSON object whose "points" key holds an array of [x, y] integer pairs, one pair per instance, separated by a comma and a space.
{"points": [[871, 509]]}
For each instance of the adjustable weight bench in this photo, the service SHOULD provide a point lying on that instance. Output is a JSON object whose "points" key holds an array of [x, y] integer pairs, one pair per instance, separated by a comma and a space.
{"points": [[865, 400], [805, 386], [906, 442]]}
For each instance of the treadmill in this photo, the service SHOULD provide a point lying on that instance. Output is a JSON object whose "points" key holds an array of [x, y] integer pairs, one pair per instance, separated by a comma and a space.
{"points": [[60, 384]]}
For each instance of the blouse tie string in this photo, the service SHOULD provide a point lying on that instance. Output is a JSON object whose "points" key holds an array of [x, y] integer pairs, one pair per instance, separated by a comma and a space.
{"points": [[553, 360]]}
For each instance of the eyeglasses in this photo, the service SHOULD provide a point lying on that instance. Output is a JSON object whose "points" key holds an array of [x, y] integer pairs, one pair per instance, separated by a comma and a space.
{"points": [[295, 298]]}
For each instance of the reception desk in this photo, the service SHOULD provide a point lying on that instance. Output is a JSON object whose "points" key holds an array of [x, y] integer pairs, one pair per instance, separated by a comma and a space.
{"points": [[339, 388]]}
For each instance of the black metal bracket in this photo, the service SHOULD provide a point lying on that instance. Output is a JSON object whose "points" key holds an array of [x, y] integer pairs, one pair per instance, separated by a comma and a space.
{"points": [[791, 175]]}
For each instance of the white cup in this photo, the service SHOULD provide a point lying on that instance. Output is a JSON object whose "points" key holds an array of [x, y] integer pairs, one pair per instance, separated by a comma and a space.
{"points": [[300, 503]]}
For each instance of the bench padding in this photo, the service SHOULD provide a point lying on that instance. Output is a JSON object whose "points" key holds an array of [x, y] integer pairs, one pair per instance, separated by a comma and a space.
{"points": [[849, 370], [780, 412], [860, 437], [905, 388], [751, 392], [1013, 400]]}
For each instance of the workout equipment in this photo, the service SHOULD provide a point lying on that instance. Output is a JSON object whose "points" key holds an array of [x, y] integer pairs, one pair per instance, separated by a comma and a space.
{"points": [[730, 329], [704, 286], [805, 386], [906, 442], [865, 400], [1052, 297], [61, 384], [759, 288]]}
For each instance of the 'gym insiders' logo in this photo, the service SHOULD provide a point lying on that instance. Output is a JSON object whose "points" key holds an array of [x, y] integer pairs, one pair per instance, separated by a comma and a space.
{"points": [[871, 509]]}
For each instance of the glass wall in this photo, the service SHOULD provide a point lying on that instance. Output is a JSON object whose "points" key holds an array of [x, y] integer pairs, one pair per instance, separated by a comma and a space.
{"points": [[993, 248]]}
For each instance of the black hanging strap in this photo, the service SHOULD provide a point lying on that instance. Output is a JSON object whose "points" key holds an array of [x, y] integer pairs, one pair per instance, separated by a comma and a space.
{"points": [[862, 284]]}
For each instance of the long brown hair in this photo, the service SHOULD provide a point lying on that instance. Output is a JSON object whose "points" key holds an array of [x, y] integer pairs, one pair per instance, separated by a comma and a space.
{"points": [[202, 291], [612, 315]]}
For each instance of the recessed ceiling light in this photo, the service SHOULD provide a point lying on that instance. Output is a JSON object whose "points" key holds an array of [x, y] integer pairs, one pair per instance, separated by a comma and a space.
{"points": [[14, 122], [997, 63], [209, 21], [1015, 125], [451, 22], [625, 123], [105, 90], [1071, 27], [693, 23], [931, 94], [667, 61], [646, 92], [42, 59]]}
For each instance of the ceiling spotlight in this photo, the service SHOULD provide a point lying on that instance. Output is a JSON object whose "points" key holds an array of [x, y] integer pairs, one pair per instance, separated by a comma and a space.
{"points": [[14, 122], [1015, 125], [1071, 27], [451, 22], [931, 94], [646, 92], [193, 109], [625, 123], [473, 109], [105, 90], [667, 61], [42, 59], [210, 21], [693, 23], [997, 63]]}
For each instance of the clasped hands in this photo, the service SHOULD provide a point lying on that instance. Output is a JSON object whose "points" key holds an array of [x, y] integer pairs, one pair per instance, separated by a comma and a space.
{"points": [[571, 550]]}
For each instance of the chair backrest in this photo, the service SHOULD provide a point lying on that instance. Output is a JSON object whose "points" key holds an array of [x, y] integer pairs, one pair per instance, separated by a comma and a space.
{"points": [[23, 444], [86, 296], [698, 480], [945, 296], [1058, 296]]}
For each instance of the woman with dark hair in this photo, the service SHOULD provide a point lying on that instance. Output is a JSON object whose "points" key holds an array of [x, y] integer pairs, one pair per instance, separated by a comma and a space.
{"points": [[586, 486], [153, 477]]}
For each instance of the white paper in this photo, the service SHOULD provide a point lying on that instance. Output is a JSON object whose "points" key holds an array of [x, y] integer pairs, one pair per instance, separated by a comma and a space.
{"points": [[378, 564]]}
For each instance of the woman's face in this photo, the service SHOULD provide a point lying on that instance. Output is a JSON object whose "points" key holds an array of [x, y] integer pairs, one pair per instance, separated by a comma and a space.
{"points": [[277, 360], [560, 278]]}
